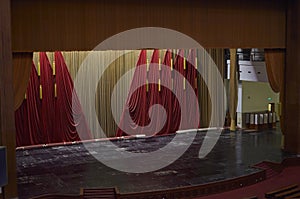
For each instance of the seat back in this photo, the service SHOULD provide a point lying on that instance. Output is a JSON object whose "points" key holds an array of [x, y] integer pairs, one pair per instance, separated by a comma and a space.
{"points": [[56, 196], [99, 193]]}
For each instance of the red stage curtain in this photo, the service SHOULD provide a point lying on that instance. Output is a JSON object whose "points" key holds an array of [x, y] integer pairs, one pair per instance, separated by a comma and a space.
{"points": [[153, 95], [69, 115], [191, 76], [137, 103], [168, 99], [178, 88], [140, 102], [27, 116], [47, 110], [187, 114], [43, 118]]}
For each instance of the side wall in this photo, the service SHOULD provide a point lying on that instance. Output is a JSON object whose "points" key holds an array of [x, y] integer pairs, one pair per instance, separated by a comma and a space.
{"points": [[7, 121], [292, 80]]}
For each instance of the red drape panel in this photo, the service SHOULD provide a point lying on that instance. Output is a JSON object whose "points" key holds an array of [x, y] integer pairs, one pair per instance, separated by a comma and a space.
{"points": [[153, 95], [191, 76], [27, 117], [47, 110], [140, 102], [178, 112], [168, 100], [145, 97], [50, 119], [21, 122], [69, 115], [136, 104], [188, 113]]}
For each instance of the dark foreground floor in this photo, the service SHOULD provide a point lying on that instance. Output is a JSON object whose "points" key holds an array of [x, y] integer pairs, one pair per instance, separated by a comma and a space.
{"points": [[64, 169]]}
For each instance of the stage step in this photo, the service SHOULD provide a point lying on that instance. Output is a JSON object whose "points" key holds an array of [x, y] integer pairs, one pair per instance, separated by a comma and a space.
{"points": [[270, 172]]}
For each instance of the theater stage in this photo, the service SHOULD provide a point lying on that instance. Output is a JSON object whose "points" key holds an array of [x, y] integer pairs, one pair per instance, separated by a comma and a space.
{"points": [[65, 169]]}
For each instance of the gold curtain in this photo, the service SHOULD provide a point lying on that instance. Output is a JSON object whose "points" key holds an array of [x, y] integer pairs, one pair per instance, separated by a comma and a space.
{"points": [[105, 88], [275, 61], [125, 60], [275, 64], [233, 89], [205, 102], [22, 63], [73, 60]]}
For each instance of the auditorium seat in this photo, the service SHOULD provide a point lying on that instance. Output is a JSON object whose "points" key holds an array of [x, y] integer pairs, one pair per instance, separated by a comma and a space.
{"points": [[297, 195], [99, 193], [251, 197], [286, 194], [56, 196], [283, 192]]}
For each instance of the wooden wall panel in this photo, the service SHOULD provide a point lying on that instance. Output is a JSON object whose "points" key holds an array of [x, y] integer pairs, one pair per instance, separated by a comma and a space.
{"points": [[292, 80], [7, 124], [39, 25]]}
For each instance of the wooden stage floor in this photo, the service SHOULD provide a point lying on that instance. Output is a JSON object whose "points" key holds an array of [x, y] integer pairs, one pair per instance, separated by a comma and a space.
{"points": [[65, 169]]}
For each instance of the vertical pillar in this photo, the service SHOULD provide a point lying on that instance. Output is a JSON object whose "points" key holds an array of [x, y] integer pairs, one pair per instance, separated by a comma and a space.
{"points": [[7, 124], [233, 89], [292, 81]]}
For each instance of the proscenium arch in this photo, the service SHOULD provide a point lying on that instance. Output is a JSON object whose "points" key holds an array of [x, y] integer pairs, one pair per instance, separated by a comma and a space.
{"points": [[159, 38]]}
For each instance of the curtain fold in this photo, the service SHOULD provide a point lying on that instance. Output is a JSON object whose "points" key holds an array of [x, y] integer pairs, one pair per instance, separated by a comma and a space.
{"points": [[22, 63], [218, 58], [124, 61], [49, 111], [153, 95], [275, 64], [178, 87], [27, 116], [47, 99], [136, 105], [168, 100], [49, 115], [205, 65], [165, 88], [95, 62], [275, 61], [191, 76], [69, 117], [204, 97]]}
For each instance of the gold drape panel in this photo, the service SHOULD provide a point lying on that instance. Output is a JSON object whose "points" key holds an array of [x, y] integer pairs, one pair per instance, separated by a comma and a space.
{"points": [[233, 88], [275, 64], [205, 102], [103, 101], [275, 61], [22, 63], [105, 88]]}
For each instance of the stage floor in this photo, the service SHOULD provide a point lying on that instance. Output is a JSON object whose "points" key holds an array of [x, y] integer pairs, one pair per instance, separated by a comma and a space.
{"points": [[65, 169]]}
